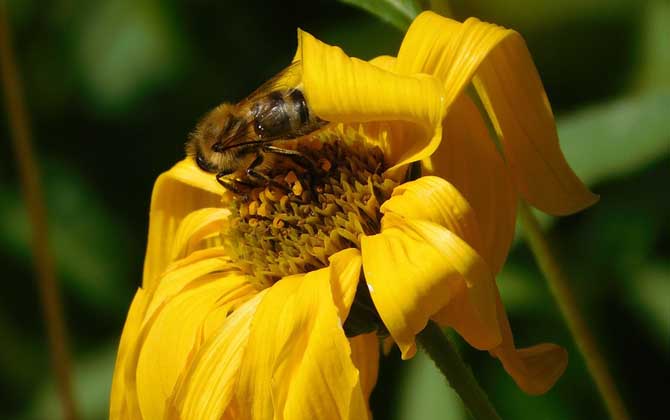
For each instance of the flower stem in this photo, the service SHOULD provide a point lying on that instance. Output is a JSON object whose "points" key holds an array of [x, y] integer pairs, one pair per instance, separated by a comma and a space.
{"points": [[459, 376], [560, 288], [29, 175]]}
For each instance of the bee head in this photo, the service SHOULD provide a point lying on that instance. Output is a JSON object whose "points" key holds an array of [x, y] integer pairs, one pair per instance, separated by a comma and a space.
{"points": [[216, 126], [210, 134]]}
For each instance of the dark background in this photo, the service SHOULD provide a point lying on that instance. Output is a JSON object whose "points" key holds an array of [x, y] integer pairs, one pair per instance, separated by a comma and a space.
{"points": [[114, 87]]}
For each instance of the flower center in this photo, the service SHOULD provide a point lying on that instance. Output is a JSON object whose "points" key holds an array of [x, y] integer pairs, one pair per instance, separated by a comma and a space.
{"points": [[303, 216]]}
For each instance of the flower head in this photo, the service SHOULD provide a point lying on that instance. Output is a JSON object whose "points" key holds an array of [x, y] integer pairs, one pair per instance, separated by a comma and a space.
{"points": [[266, 306]]}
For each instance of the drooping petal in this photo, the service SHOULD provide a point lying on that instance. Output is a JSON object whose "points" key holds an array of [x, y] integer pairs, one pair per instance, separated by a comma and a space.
{"points": [[535, 369], [347, 90], [469, 159], [206, 388], [498, 62], [429, 265], [176, 193], [121, 407], [298, 364]]}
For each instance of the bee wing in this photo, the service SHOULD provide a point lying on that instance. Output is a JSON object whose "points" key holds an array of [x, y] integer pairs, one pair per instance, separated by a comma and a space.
{"points": [[287, 79]]}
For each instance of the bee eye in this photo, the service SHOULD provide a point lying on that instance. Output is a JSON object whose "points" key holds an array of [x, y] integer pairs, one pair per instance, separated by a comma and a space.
{"points": [[203, 164]]}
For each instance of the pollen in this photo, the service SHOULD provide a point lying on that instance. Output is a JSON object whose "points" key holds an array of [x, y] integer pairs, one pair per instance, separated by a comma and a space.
{"points": [[305, 215]]}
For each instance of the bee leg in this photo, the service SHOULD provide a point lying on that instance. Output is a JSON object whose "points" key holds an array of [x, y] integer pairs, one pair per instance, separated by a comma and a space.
{"points": [[229, 184], [300, 159], [294, 155], [266, 180]]}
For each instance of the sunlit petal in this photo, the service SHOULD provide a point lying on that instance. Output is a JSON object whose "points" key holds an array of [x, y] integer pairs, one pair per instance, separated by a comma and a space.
{"points": [[298, 361], [175, 332], [206, 388], [433, 199], [121, 406], [469, 159], [345, 271], [430, 265], [385, 62], [498, 62], [343, 89], [197, 226], [176, 193]]}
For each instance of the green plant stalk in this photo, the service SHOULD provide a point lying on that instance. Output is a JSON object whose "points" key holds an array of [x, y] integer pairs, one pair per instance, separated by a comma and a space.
{"points": [[459, 376], [32, 191], [560, 288]]}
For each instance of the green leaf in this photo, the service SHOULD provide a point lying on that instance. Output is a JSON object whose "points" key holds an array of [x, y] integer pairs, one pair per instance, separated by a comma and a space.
{"points": [[426, 394], [617, 138], [398, 13]]}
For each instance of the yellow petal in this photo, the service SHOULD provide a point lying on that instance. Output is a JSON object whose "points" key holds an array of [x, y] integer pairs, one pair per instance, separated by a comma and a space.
{"points": [[176, 193], [365, 355], [179, 275], [385, 62], [433, 199], [468, 158], [347, 90], [506, 79], [208, 384], [345, 271], [121, 407], [197, 226], [535, 369], [297, 364], [415, 268], [174, 334]]}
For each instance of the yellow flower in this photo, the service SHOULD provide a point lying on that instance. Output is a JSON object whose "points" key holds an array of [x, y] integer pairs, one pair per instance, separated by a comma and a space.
{"points": [[257, 331]]}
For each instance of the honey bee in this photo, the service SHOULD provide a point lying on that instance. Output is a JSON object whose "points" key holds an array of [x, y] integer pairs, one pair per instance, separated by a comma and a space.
{"points": [[237, 138]]}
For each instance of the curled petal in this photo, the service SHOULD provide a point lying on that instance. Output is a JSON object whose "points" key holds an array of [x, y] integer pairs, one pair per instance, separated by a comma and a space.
{"points": [[535, 369], [430, 265], [469, 159], [176, 193], [498, 62], [347, 90], [298, 362]]}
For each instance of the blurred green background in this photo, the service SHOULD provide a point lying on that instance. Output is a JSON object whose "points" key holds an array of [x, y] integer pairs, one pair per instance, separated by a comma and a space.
{"points": [[114, 87]]}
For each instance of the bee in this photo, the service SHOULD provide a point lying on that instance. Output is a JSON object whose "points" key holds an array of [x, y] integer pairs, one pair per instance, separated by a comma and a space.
{"points": [[238, 138]]}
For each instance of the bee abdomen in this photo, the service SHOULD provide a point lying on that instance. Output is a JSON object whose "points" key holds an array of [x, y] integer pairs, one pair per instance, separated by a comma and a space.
{"points": [[284, 115]]}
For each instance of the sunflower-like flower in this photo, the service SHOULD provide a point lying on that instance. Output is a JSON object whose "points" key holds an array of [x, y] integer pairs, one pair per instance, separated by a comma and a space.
{"points": [[270, 306]]}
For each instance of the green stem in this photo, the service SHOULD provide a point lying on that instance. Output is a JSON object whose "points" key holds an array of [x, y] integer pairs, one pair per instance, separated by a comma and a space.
{"points": [[32, 192], [560, 288], [459, 376]]}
